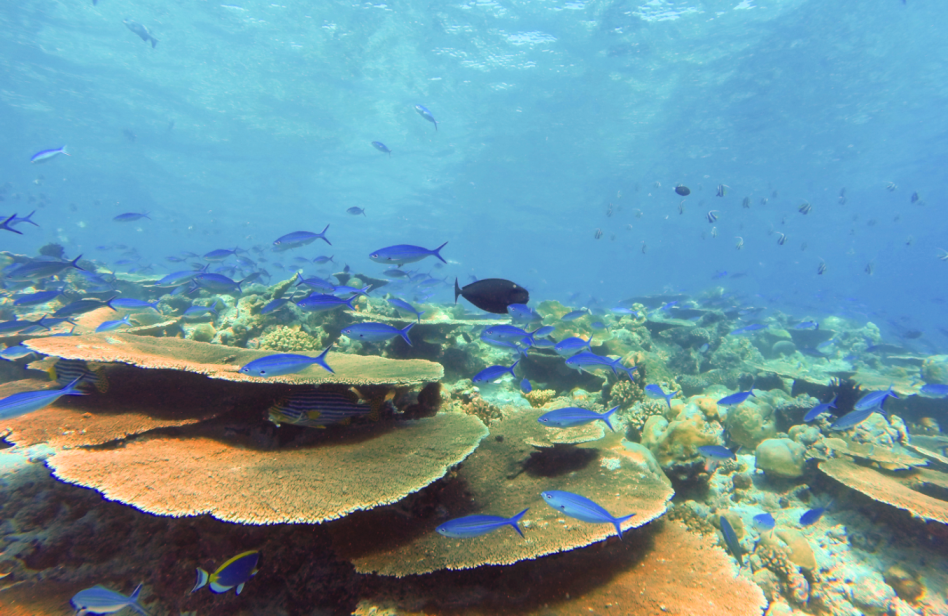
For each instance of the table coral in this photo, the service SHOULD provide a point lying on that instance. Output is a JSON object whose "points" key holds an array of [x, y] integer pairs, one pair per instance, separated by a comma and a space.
{"points": [[351, 469]]}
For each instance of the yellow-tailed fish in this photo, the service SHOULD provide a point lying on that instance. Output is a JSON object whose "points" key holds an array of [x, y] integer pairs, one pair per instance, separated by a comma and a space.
{"points": [[233, 573]]}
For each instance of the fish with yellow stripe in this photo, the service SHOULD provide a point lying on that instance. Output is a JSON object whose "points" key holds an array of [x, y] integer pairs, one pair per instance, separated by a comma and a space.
{"points": [[318, 408], [233, 573], [66, 371]]}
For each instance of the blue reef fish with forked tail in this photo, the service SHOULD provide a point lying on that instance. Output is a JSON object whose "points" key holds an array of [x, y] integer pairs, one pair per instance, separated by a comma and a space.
{"points": [[493, 373], [874, 400], [101, 600], [284, 363], [29, 401], [36, 270], [735, 399], [819, 409], [587, 360], [110, 326], [376, 332], [716, 452], [570, 417], [381, 147], [423, 112], [764, 522], [581, 508], [474, 525], [321, 303], [656, 391], [401, 254], [299, 238], [731, 541], [233, 573], [571, 346], [403, 306], [44, 155]]}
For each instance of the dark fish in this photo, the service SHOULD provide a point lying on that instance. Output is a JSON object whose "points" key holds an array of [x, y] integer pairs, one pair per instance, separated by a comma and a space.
{"points": [[355, 211], [821, 268], [141, 31], [730, 539], [915, 197], [131, 216], [492, 294], [812, 516], [717, 452], [805, 208], [381, 147], [318, 408], [712, 216], [746, 203], [234, 572], [423, 112], [83, 306], [35, 270], [684, 191]]}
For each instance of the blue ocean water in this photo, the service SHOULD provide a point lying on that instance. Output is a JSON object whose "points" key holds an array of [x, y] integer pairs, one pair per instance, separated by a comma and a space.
{"points": [[254, 119], [811, 136]]}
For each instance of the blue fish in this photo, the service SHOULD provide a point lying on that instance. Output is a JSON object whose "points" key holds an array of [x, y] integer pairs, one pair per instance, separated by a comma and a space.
{"points": [[322, 303], [355, 211], [575, 314], [381, 147], [747, 329], [570, 417], [503, 332], [29, 401], [853, 419], [108, 326], [217, 283], [200, 311], [730, 539], [812, 516], [34, 299], [44, 155], [474, 525], [284, 363], [524, 384], [819, 409], [933, 390], [493, 373], [176, 279], [403, 306], [405, 253], [299, 238], [571, 346], [376, 332], [83, 306], [522, 313], [233, 573], [764, 521], [656, 391], [15, 220], [598, 325], [581, 508], [36, 270], [220, 254], [131, 216], [735, 399], [129, 303], [316, 283], [587, 360], [874, 399], [274, 305], [101, 600], [346, 289], [423, 112], [323, 259], [531, 338], [716, 452]]}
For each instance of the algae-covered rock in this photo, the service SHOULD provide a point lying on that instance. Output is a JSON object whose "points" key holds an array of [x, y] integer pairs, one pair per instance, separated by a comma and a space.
{"points": [[935, 369], [675, 443], [781, 457], [749, 424], [204, 332]]}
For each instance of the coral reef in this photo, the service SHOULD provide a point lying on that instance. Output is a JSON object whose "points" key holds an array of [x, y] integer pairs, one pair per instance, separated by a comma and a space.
{"points": [[289, 340], [539, 397]]}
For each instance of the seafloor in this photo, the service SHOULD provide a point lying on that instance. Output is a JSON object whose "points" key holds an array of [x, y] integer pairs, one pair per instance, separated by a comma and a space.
{"points": [[170, 463]]}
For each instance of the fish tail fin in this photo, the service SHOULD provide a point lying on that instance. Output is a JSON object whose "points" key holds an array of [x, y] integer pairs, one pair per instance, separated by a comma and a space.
{"points": [[202, 578], [437, 251], [404, 333], [6, 225], [75, 263], [350, 300], [133, 600], [457, 291], [72, 389], [109, 301], [65, 152], [832, 403], [321, 360], [515, 521], [28, 217], [512, 368], [323, 235], [435, 123], [619, 521], [607, 415]]}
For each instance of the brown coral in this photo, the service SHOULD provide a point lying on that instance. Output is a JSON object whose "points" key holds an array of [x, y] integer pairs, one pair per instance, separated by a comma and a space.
{"points": [[890, 489], [351, 469], [221, 362], [538, 397], [502, 478]]}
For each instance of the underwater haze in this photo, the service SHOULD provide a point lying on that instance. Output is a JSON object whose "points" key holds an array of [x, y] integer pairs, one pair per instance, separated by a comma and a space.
{"points": [[730, 196]]}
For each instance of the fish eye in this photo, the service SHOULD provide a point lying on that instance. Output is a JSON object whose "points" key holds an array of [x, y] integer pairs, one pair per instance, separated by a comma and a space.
{"points": [[374, 256]]}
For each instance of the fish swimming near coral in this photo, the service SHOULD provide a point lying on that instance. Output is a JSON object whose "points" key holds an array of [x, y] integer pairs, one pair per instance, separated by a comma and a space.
{"points": [[403, 306], [376, 332], [874, 399], [586, 361], [812, 516], [764, 522], [29, 401], [66, 371], [38, 269], [318, 408], [492, 294], [819, 409], [852, 419], [525, 386], [233, 573], [570, 417], [298, 239], [581, 508], [655, 391], [475, 525], [101, 600], [731, 541], [571, 346], [716, 452], [933, 390], [493, 373], [401, 254], [735, 399], [321, 303], [110, 326], [284, 363]]}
